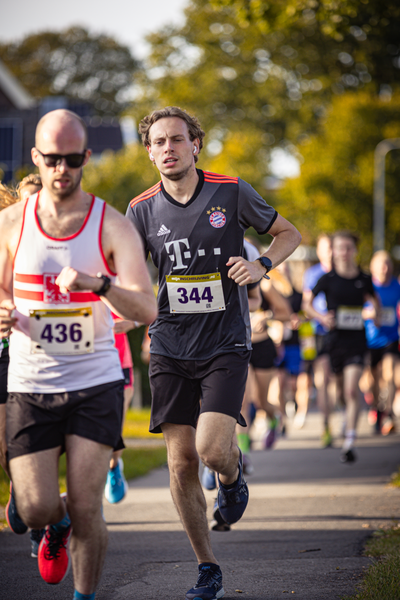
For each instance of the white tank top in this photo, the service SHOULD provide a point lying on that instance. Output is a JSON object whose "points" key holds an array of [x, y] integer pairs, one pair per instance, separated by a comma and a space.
{"points": [[62, 342]]}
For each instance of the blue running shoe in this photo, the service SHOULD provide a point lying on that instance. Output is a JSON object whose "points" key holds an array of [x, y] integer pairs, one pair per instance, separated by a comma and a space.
{"points": [[36, 537], [14, 521], [116, 484], [208, 479], [232, 502], [208, 585], [218, 523]]}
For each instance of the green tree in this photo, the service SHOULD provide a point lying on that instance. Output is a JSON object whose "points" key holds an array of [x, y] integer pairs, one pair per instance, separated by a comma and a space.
{"points": [[74, 63], [118, 177], [358, 37], [335, 188], [269, 71]]}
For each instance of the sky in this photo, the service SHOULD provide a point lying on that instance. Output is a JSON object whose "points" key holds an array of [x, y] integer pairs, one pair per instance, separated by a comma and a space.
{"points": [[126, 21]]}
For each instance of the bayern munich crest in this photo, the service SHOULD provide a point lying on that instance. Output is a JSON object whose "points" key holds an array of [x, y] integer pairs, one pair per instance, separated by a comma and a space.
{"points": [[217, 219]]}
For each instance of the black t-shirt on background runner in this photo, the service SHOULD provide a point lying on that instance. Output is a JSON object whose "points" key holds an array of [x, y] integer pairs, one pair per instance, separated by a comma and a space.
{"points": [[346, 297], [190, 245]]}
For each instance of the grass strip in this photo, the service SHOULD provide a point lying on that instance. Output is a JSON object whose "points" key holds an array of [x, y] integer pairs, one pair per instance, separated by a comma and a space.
{"points": [[382, 579], [136, 424], [395, 481]]}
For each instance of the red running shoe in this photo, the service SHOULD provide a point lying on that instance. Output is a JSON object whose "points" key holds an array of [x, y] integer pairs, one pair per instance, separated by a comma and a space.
{"points": [[53, 556]]}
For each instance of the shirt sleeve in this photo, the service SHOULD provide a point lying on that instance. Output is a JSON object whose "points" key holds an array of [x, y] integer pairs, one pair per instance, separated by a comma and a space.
{"points": [[134, 218], [253, 211], [320, 286], [369, 288], [307, 280]]}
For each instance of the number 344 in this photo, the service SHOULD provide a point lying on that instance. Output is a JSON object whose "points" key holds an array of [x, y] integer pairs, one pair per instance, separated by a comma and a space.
{"points": [[195, 295]]}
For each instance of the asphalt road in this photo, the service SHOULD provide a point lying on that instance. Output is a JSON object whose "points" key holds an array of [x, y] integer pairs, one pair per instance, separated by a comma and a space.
{"points": [[301, 536]]}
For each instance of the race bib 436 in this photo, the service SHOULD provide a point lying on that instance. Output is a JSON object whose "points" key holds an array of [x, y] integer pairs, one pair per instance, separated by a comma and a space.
{"points": [[68, 331]]}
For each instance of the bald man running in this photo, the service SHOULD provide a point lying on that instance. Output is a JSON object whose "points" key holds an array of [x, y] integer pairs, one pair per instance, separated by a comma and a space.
{"points": [[59, 255]]}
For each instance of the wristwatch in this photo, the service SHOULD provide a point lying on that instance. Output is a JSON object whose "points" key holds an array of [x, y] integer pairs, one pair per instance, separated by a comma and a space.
{"points": [[266, 263], [106, 285]]}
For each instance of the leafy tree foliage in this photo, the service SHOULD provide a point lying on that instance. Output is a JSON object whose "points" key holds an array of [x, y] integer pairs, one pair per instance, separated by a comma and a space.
{"points": [[74, 63], [119, 177], [335, 189], [356, 40], [274, 65]]}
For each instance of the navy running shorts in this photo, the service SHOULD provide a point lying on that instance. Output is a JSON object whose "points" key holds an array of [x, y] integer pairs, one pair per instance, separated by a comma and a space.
{"points": [[291, 360], [177, 386], [37, 422], [128, 377]]}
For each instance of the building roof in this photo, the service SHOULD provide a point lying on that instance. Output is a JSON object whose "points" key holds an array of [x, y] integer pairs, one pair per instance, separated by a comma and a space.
{"points": [[13, 90]]}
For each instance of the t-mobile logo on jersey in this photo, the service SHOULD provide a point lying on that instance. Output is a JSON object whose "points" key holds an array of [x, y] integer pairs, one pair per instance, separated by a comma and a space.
{"points": [[176, 253]]}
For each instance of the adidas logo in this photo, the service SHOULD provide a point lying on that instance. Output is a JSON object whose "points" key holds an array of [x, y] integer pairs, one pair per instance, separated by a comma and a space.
{"points": [[163, 230]]}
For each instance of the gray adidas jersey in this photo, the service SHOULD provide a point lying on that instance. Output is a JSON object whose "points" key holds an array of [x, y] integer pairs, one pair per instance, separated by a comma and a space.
{"points": [[202, 313]]}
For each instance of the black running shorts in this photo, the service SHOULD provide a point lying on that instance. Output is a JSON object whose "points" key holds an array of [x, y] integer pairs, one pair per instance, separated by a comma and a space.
{"points": [[344, 351], [263, 354], [178, 385], [4, 360], [37, 422], [321, 343], [376, 354]]}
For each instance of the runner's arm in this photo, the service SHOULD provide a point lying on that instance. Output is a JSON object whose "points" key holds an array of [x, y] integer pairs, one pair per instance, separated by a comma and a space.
{"points": [[280, 307], [373, 312], [7, 233], [286, 239], [327, 319], [254, 297], [133, 298]]}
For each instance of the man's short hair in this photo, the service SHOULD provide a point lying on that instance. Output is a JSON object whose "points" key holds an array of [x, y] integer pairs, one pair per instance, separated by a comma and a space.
{"points": [[324, 236], [382, 255], [348, 235], [193, 125]]}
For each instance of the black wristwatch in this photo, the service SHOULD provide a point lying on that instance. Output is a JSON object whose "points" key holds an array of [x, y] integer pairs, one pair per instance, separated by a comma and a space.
{"points": [[267, 263], [106, 285]]}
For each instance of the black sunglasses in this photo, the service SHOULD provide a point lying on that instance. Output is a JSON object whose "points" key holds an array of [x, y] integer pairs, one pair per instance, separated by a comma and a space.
{"points": [[74, 161]]}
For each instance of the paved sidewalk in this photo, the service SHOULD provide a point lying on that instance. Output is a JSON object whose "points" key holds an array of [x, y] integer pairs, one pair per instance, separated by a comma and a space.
{"points": [[301, 536]]}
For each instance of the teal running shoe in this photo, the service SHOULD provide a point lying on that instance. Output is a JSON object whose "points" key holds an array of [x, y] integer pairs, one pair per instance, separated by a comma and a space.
{"points": [[116, 484]]}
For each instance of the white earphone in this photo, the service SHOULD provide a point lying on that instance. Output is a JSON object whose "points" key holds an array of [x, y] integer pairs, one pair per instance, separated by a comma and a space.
{"points": [[151, 157], [194, 150]]}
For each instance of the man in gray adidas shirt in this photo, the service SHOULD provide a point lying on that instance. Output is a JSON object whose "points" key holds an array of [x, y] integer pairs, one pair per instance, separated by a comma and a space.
{"points": [[193, 223]]}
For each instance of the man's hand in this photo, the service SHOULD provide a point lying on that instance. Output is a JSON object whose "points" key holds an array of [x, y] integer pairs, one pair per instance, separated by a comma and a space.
{"points": [[71, 280], [328, 320], [244, 272], [7, 320], [123, 326]]}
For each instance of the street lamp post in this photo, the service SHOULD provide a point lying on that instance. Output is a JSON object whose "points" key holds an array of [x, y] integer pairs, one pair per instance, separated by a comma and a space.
{"points": [[381, 150]]}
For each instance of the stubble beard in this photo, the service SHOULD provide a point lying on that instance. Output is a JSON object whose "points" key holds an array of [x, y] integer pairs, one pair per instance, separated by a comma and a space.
{"points": [[62, 194], [177, 176]]}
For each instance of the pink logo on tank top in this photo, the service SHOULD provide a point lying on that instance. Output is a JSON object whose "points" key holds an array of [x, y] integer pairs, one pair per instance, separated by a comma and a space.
{"points": [[51, 291]]}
